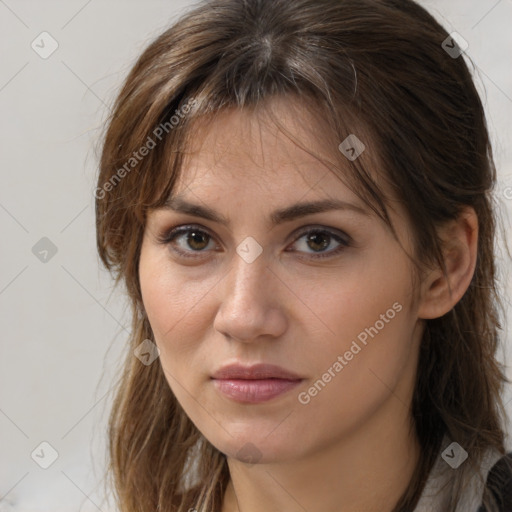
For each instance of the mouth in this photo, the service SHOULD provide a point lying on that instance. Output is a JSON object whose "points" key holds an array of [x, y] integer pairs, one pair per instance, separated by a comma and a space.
{"points": [[254, 384]]}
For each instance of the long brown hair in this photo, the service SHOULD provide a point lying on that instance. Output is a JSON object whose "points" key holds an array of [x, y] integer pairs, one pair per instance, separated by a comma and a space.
{"points": [[375, 68]]}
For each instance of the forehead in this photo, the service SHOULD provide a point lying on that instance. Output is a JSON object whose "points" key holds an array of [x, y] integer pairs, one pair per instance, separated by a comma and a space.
{"points": [[278, 146], [281, 160]]}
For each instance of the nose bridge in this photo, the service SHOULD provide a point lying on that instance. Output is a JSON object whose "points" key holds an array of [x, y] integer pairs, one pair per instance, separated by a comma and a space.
{"points": [[248, 281], [249, 303]]}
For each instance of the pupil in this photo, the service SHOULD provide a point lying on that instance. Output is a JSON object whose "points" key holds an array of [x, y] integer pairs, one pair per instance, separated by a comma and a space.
{"points": [[315, 238], [194, 236]]}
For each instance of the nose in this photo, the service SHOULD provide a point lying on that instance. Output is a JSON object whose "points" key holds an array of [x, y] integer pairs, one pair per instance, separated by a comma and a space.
{"points": [[251, 305]]}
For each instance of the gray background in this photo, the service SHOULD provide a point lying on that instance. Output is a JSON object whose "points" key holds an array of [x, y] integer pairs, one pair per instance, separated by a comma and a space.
{"points": [[63, 325]]}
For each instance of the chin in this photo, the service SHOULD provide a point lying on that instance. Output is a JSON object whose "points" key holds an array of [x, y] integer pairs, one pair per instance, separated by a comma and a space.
{"points": [[253, 447]]}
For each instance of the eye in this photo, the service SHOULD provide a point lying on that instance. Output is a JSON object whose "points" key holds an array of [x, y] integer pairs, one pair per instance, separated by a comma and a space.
{"points": [[190, 239], [185, 240], [319, 239]]}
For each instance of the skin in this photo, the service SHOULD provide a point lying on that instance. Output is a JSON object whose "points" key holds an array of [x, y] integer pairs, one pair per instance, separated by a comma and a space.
{"points": [[351, 447]]}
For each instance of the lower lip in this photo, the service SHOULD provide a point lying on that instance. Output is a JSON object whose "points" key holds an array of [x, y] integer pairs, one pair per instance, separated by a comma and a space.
{"points": [[254, 391]]}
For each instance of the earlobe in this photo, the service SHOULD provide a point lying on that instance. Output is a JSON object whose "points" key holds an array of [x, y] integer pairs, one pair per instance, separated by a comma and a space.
{"points": [[440, 291]]}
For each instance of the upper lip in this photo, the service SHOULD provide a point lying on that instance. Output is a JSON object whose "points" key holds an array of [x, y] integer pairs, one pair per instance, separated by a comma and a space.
{"points": [[256, 371]]}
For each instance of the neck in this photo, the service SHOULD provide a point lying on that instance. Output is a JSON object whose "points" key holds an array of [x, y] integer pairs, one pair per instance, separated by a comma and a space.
{"points": [[368, 469]]}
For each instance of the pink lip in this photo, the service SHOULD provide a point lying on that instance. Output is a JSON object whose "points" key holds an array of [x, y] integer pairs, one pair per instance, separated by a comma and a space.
{"points": [[253, 384], [256, 371], [254, 391]]}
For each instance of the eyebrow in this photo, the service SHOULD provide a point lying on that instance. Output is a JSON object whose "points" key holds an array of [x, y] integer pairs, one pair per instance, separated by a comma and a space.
{"points": [[280, 216]]}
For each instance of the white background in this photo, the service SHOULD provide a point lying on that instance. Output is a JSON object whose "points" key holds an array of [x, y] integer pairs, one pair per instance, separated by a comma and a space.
{"points": [[63, 326]]}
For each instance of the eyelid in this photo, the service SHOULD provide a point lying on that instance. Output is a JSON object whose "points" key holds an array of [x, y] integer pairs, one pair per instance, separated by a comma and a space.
{"points": [[320, 228], [340, 236], [298, 232], [169, 235]]}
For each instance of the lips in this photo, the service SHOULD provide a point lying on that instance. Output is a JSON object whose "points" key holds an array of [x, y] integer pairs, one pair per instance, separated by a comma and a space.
{"points": [[254, 384], [255, 372]]}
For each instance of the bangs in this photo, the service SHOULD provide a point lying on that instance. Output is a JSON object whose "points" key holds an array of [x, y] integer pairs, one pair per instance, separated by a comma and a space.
{"points": [[332, 134]]}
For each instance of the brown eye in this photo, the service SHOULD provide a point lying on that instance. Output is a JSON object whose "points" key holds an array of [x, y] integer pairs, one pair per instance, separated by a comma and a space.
{"points": [[187, 240], [317, 240], [196, 240], [192, 242]]}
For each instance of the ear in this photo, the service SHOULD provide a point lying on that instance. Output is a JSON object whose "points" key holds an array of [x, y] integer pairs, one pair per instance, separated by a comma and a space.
{"points": [[441, 291]]}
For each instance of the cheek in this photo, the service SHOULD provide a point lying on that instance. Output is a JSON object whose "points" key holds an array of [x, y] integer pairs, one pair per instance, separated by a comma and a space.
{"points": [[366, 345], [360, 300], [366, 363], [166, 295], [369, 336], [175, 306]]}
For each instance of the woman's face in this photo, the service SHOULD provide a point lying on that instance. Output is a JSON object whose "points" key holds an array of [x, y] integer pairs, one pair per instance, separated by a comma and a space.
{"points": [[335, 308]]}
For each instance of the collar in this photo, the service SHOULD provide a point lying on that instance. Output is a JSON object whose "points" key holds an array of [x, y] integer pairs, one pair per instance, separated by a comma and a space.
{"points": [[440, 486]]}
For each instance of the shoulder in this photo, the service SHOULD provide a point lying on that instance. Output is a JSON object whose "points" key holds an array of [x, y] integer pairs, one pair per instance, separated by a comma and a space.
{"points": [[499, 483], [494, 477]]}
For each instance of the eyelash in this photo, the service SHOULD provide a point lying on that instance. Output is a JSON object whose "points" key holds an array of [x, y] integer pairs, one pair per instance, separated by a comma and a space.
{"points": [[169, 236]]}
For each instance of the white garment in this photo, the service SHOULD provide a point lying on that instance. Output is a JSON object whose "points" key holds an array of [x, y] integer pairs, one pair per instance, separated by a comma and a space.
{"points": [[435, 498]]}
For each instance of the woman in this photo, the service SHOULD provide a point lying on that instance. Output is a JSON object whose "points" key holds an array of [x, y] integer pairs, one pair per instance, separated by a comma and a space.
{"points": [[297, 196]]}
